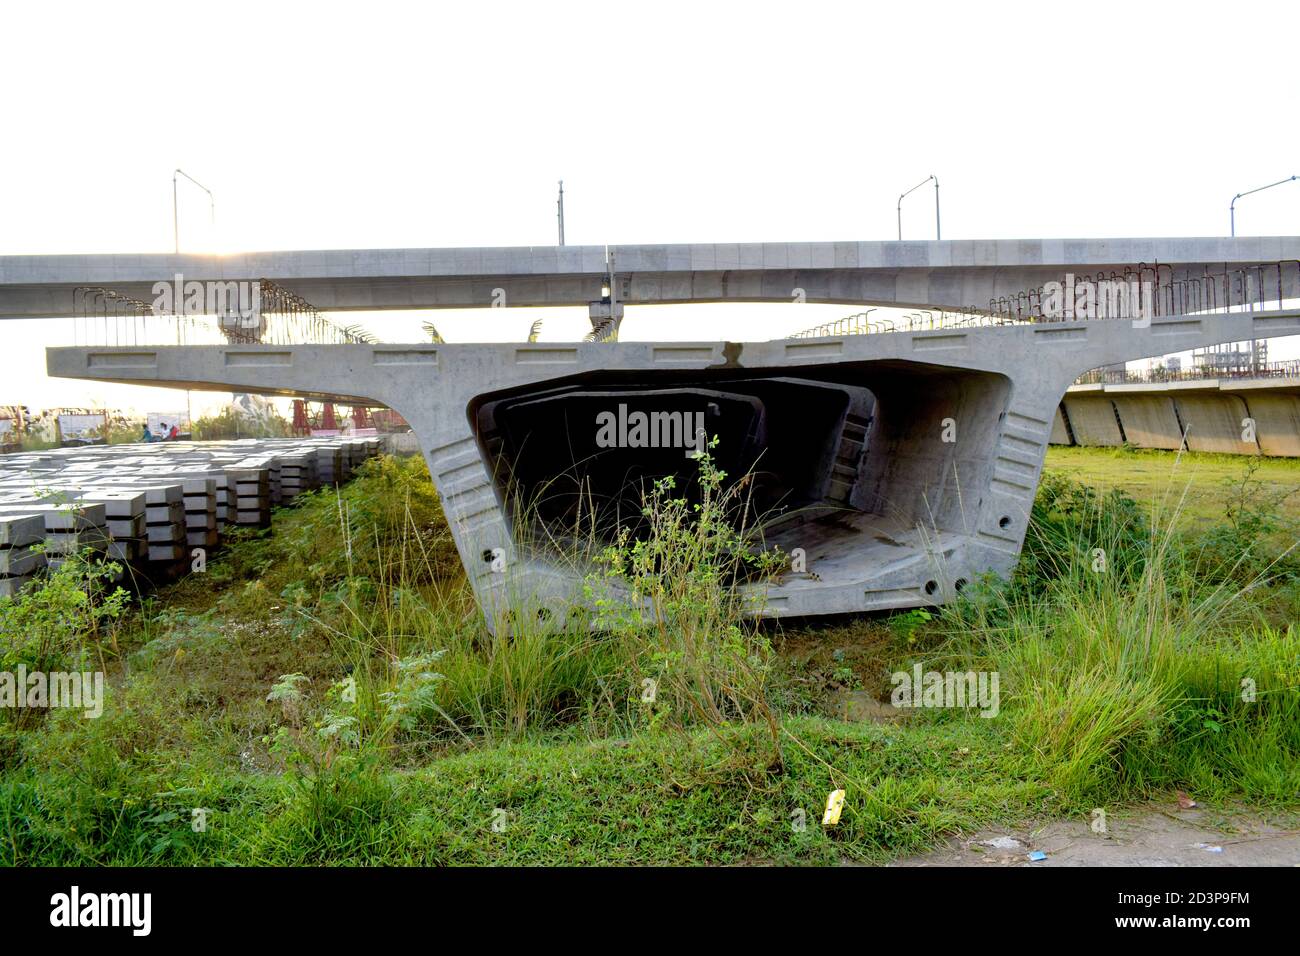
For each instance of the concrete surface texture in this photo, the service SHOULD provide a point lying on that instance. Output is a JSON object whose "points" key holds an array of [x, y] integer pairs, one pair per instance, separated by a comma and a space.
{"points": [[1149, 421], [1215, 424], [1227, 416], [1092, 419], [902, 464], [1060, 431], [1277, 420], [950, 274]]}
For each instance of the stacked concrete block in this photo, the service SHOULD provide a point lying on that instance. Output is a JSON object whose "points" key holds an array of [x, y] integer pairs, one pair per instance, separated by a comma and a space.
{"points": [[344, 472], [297, 474], [252, 484], [125, 523], [165, 522], [362, 449], [330, 465], [147, 505], [18, 558], [224, 501], [357, 454], [200, 512], [67, 527], [71, 528], [273, 479]]}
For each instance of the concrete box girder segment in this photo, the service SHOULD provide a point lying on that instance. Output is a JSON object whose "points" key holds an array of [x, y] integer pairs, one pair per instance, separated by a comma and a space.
{"points": [[1214, 423], [1277, 422], [950, 274], [1150, 421], [1209, 414], [1092, 418], [943, 466]]}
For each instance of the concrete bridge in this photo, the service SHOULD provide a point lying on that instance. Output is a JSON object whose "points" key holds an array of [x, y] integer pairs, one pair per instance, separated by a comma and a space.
{"points": [[951, 274], [901, 464]]}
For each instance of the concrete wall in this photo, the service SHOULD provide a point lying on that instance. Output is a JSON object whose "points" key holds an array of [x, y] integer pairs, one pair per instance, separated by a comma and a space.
{"points": [[1277, 421], [1214, 423], [1092, 418], [1211, 410], [1060, 431], [1150, 421]]}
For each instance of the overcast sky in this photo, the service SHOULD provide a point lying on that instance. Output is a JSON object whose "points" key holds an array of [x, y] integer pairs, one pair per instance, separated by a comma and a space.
{"points": [[354, 125]]}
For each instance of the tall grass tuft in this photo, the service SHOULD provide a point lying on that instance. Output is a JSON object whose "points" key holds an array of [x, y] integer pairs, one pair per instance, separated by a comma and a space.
{"points": [[669, 597], [1129, 663]]}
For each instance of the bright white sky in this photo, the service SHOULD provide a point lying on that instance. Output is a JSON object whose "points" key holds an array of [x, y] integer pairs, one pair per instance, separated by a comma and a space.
{"points": [[347, 125]]}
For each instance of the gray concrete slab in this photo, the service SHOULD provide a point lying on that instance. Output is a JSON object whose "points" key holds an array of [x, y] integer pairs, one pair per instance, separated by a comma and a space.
{"points": [[141, 502], [952, 274], [1092, 418], [959, 421], [1149, 421]]}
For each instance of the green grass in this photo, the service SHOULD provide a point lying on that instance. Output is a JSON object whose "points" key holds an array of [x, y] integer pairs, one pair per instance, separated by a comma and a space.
{"points": [[1156, 478], [657, 799], [1116, 687]]}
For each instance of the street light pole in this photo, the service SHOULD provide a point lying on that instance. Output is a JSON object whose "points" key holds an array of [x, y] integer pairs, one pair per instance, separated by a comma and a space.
{"points": [[1232, 211], [212, 206], [937, 233], [560, 211]]}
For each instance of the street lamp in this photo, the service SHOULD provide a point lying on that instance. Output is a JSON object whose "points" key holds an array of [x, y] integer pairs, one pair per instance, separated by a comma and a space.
{"points": [[1232, 212], [212, 204], [937, 233], [559, 206]]}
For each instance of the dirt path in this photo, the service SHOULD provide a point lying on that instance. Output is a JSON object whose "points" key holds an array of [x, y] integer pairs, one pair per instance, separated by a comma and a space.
{"points": [[1141, 836]]}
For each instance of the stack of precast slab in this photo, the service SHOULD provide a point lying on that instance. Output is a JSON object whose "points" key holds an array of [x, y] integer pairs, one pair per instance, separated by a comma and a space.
{"points": [[149, 506], [1228, 416]]}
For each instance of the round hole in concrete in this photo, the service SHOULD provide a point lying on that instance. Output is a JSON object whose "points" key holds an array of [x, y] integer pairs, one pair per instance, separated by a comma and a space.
{"points": [[961, 583], [1004, 521], [487, 555], [931, 587]]}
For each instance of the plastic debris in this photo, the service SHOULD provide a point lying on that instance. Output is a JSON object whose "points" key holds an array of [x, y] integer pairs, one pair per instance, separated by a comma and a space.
{"points": [[1037, 855], [1003, 843], [834, 804]]}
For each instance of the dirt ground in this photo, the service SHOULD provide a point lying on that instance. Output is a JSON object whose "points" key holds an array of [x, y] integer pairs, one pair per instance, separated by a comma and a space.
{"points": [[1140, 836]]}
